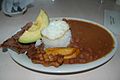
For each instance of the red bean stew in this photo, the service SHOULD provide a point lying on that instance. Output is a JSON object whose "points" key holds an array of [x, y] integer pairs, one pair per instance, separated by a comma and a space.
{"points": [[93, 41]]}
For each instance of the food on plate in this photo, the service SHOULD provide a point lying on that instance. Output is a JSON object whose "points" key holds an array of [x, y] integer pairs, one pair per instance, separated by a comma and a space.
{"points": [[34, 32], [57, 34], [66, 41], [68, 53]]}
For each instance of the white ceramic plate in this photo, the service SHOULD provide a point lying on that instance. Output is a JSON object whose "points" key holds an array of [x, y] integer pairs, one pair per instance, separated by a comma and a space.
{"points": [[23, 60]]}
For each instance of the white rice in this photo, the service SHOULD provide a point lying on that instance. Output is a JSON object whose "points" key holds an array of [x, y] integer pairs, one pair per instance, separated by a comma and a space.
{"points": [[38, 43], [55, 29], [64, 41]]}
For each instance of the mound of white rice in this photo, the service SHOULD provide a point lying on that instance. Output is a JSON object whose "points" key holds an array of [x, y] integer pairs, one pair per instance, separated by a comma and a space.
{"points": [[57, 34], [61, 42]]}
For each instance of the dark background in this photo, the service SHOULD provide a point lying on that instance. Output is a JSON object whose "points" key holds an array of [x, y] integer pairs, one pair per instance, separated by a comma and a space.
{"points": [[0, 4]]}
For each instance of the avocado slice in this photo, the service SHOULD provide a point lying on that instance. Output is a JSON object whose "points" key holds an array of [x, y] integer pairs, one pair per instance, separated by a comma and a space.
{"points": [[34, 32]]}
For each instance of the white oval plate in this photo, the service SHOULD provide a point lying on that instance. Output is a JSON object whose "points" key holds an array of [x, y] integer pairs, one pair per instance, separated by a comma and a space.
{"points": [[23, 60]]}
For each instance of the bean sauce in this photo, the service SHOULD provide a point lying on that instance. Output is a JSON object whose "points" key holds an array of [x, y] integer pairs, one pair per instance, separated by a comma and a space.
{"points": [[93, 41]]}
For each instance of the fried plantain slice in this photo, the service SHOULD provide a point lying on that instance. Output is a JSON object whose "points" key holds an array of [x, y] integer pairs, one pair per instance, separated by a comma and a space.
{"points": [[74, 55], [68, 53]]}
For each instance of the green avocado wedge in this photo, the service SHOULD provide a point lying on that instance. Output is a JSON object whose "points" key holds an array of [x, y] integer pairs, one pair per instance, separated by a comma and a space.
{"points": [[34, 32]]}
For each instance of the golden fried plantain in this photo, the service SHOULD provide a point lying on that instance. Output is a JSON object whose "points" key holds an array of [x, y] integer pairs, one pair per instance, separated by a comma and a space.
{"points": [[66, 52], [73, 55], [61, 51]]}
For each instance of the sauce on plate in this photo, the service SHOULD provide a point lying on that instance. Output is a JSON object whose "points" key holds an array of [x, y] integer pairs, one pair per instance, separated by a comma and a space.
{"points": [[93, 41]]}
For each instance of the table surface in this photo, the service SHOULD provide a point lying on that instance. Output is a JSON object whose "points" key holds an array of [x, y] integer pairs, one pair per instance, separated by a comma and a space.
{"points": [[86, 9]]}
